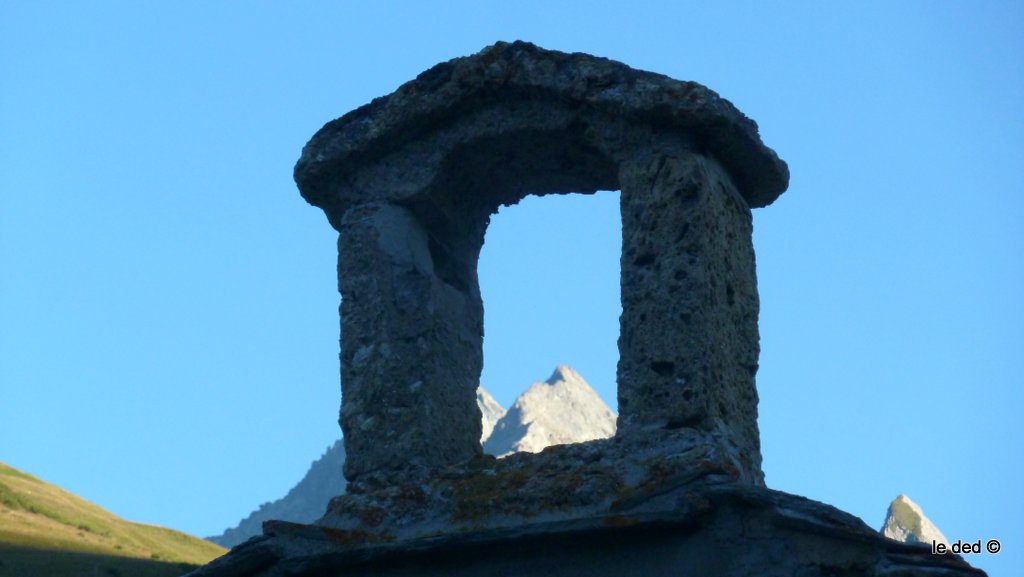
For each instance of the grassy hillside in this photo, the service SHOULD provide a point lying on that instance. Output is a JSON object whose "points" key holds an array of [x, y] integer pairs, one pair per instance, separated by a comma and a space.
{"points": [[46, 531]]}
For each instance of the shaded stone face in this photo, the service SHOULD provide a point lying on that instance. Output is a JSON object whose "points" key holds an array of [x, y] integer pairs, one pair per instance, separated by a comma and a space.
{"points": [[410, 181], [688, 337]]}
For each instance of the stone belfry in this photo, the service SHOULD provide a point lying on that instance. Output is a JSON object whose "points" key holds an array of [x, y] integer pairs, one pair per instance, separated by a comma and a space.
{"points": [[410, 181]]}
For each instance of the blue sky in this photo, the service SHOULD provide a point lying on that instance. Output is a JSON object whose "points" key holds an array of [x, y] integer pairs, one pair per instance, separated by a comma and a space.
{"points": [[168, 303]]}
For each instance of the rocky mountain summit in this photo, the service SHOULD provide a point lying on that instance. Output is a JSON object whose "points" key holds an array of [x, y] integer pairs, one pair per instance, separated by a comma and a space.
{"points": [[906, 522], [563, 409]]}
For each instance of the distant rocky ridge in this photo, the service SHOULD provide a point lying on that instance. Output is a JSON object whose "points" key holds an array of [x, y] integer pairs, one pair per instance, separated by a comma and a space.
{"points": [[305, 503], [563, 409], [907, 523]]}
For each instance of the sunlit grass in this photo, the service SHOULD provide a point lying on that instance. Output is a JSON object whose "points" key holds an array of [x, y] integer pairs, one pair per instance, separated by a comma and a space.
{"points": [[39, 522]]}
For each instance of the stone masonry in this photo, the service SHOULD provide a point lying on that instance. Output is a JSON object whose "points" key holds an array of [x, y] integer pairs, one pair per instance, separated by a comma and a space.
{"points": [[410, 182]]}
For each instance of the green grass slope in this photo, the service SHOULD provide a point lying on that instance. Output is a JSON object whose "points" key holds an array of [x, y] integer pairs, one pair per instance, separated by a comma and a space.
{"points": [[46, 531]]}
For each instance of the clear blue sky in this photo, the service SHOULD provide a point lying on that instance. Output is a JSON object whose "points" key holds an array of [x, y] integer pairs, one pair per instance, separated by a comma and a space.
{"points": [[168, 303]]}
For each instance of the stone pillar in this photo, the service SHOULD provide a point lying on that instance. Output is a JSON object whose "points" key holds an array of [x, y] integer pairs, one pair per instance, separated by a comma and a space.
{"points": [[688, 337], [411, 346]]}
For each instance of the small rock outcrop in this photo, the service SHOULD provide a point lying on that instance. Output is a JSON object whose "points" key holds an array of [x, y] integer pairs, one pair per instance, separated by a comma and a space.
{"points": [[906, 522], [563, 409], [490, 413]]}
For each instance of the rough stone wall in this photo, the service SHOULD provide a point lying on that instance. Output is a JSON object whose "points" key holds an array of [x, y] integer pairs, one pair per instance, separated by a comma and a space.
{"points": [[688, 338]]}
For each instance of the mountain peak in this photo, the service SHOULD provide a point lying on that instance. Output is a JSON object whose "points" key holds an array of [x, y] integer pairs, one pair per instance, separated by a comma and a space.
{"points": [[563, 409], [907, 523]]}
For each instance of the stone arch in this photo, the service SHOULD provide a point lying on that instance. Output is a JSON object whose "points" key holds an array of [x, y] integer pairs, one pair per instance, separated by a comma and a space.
{"points": [[411, 179]]}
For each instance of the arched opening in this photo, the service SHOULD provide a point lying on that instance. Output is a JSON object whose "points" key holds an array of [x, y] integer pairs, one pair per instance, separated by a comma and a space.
{"points": [[549, 280]]}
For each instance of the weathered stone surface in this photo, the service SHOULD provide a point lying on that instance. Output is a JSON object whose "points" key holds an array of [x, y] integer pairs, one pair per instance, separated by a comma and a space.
{"points": [[688, 338], [410, 182], [520, 88], [410, 349]]}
